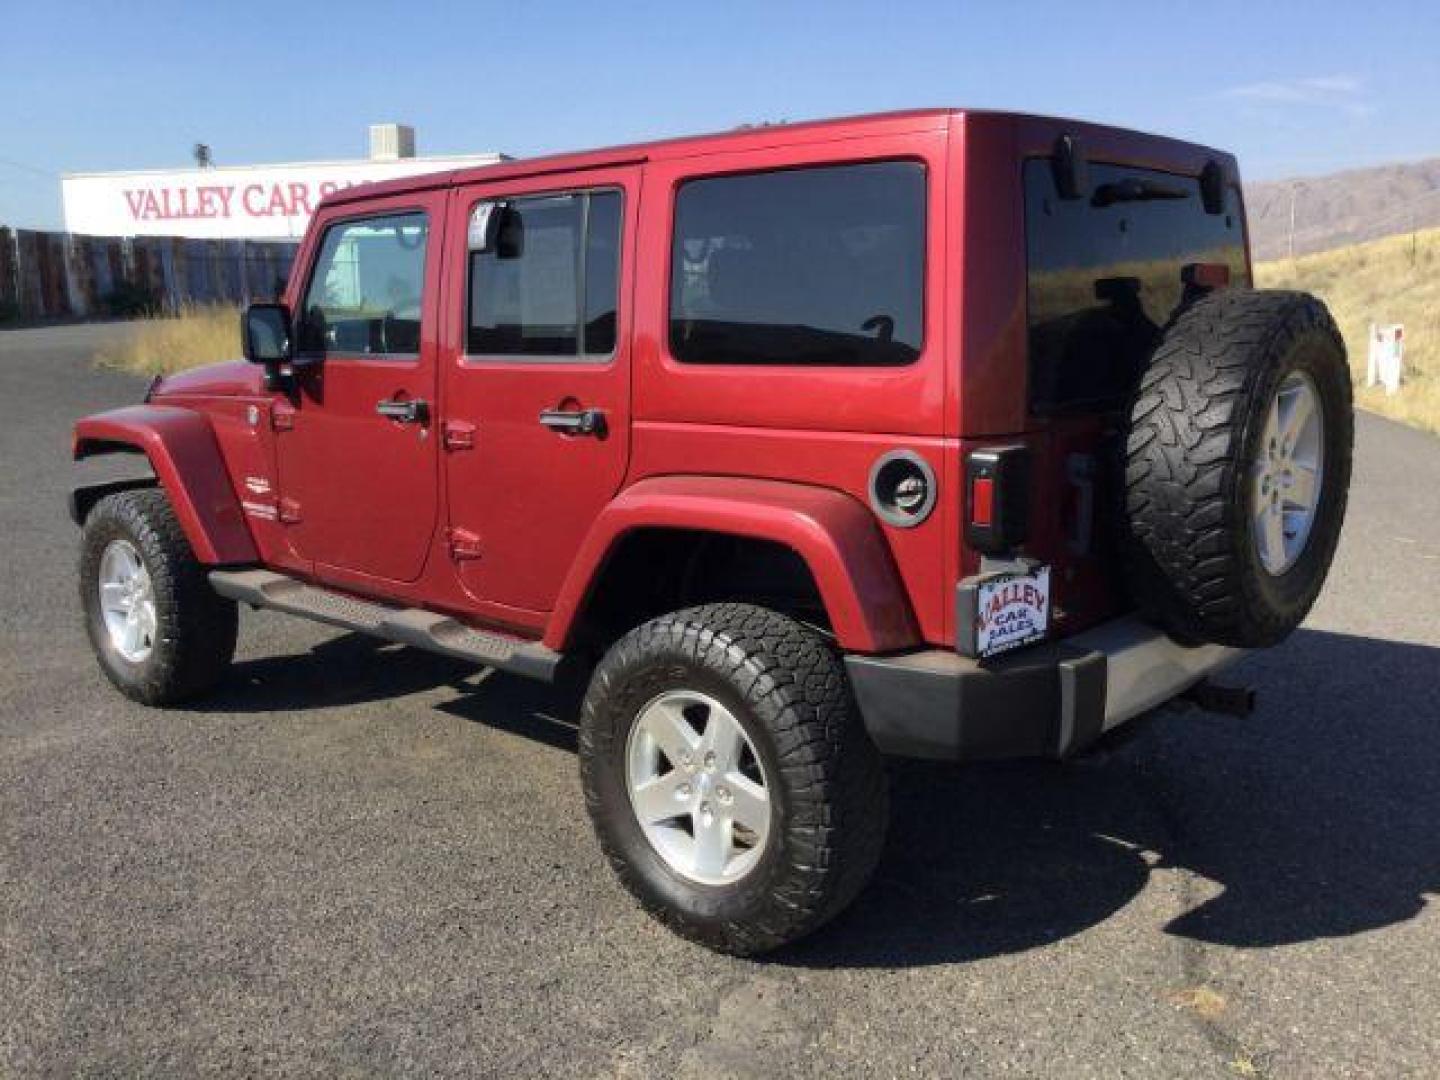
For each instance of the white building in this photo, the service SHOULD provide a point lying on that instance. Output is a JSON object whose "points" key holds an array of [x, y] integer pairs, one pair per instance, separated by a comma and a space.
{"points": [[238, 202]]}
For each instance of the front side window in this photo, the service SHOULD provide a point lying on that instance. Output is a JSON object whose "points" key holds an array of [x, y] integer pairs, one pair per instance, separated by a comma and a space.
{"points": [[365, 292], [549, 285], [812, 266]]}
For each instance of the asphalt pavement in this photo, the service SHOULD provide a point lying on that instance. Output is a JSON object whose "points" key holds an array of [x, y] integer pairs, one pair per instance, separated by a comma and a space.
{"points": [[359, 859]]}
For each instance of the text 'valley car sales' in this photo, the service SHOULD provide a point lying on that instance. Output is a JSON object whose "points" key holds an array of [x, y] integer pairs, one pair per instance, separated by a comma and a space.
{"points": [[246, 202], [286, 199]]}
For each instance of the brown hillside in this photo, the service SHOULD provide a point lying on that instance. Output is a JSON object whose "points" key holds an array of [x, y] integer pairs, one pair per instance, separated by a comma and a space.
{"points": [[1343, 208]]}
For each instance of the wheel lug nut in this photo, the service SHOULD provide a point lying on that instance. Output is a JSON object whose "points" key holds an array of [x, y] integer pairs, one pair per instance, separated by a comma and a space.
{"points": [[684, 791], [710, 761], [724, 794]]}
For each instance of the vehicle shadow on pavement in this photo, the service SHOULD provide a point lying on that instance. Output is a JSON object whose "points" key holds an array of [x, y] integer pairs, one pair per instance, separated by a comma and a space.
{"points": [[1314, 818], [354, 669], [522, 707], [350, 669]]}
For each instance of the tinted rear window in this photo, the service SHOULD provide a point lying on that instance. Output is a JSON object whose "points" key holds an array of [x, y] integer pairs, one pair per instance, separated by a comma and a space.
{"points": [[1105, 275], [807, 266]]}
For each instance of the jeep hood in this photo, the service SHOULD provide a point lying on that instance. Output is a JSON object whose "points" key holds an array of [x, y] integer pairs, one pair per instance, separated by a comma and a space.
{"points": [[231, 378]]}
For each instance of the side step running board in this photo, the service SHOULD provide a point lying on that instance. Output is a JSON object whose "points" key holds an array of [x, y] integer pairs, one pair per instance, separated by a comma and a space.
{"points": [[408, 626]]}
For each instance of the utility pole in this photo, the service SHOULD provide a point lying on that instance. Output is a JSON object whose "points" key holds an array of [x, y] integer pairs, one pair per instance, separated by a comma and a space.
{"points": [[1294, 187]]}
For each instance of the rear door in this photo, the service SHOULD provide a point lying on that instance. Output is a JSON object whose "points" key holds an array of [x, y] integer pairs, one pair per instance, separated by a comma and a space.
{"points": [[537, 422], [1106, 273], [357, 460]]}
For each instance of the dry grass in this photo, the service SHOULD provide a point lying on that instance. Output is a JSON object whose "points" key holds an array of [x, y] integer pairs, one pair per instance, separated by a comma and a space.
{"points": [[1247, 1063], [1384, 281], [199, 334], [1204, 1002]]}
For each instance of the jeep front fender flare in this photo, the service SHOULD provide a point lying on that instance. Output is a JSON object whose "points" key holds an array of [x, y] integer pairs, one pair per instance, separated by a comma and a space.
{"points": [[182, 451], [836, 536]]}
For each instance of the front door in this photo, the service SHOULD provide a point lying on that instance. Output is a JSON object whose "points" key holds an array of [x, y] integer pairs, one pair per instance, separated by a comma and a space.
{"points": [[538, 399], [357, 458]]}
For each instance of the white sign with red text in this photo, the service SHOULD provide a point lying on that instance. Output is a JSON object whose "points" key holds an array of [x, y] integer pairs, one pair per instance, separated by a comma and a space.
{"points": [[1012, 610], [262, 202], [1387, 356]]}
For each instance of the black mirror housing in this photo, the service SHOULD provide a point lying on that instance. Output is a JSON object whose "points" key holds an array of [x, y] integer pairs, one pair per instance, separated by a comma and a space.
{"points": [[484, 228], [265, 332], [1072, 174]]}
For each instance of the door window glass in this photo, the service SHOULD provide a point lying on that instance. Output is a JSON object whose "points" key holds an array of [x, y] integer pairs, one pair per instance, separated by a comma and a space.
{"points": [[549, 285], [365, 292]]}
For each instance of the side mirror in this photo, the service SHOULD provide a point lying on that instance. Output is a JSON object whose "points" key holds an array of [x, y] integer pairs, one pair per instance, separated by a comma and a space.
{"points": [[484, 231], [495, 229], [265, 333]]}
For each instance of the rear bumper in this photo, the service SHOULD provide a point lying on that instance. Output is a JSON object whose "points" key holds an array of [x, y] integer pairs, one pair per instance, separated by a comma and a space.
{"points": [[1046, 701]]}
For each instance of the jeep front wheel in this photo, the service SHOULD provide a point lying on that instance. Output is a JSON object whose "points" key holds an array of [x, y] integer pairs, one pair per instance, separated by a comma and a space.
{"points": [[727, 774], [160, 632]]}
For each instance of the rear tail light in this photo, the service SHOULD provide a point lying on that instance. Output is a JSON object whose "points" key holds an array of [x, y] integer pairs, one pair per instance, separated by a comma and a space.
{"points": [[1205, 276], [982, 501], [997, 498]]}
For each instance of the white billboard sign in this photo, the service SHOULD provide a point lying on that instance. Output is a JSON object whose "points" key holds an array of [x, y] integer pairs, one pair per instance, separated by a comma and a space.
{"points": [[261, 202]]}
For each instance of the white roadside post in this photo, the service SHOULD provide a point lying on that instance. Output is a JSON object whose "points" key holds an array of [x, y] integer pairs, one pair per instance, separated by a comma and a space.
{"points": [[1386, 358]]}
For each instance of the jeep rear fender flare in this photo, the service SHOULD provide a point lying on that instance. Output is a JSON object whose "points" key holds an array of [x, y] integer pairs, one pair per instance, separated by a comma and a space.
{"points": [[181, 448], [836, 536]]}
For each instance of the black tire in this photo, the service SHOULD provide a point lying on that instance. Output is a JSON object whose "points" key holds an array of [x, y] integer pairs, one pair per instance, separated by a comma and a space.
{"points": [[1196, 427], [194, 640], [787, 687]]}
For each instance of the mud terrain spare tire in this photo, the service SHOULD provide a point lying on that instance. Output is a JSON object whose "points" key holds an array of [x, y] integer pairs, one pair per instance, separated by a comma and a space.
{"points": [[1237, 467]]}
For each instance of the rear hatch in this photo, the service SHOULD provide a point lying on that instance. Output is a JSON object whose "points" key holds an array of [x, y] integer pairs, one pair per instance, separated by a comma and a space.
{"points": [[1113, 251]]}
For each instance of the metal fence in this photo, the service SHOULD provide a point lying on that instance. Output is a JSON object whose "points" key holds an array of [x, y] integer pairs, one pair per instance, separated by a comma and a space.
{"points": [[53, 275]]}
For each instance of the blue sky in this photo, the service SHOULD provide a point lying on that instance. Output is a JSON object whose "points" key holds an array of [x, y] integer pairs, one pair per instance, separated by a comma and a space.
{"points": [[1293, 88]]}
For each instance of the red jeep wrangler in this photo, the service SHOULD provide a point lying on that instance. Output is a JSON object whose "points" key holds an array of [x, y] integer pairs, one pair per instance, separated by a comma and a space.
{"points": [[947, 434]]}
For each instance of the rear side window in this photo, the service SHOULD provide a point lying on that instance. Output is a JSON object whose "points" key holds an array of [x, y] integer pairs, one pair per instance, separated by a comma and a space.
{"points": [[1106, 275], [814, 266], [550, 286], [365, 292]]}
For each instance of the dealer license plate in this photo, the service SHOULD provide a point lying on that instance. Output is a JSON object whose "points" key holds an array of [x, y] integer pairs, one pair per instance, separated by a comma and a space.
{"points": [[1011, 610]]}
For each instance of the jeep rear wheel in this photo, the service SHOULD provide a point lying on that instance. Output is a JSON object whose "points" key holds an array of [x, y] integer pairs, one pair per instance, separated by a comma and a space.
{"points": [[160, 632], [1238, 467], [728, 777]]}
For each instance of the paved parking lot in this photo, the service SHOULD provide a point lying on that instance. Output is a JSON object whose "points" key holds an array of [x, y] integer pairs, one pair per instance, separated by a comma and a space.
{"points": [[360, 859]]}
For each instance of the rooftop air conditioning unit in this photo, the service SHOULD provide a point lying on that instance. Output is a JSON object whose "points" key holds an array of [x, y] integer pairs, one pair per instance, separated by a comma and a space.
{"points": [[389, 142]]}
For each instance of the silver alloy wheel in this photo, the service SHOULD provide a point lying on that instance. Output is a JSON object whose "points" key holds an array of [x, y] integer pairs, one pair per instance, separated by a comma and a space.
{"points": [[127, 601], [1288, 471], [697, 787]]}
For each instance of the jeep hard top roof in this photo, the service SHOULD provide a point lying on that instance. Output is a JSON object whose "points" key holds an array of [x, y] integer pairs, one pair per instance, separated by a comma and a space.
{"points": [[1033, 134]]}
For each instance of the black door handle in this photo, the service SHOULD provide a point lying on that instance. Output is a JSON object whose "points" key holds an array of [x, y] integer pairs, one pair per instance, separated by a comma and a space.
{"points": [[575, 422], [411, 411]]}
